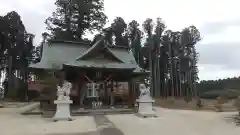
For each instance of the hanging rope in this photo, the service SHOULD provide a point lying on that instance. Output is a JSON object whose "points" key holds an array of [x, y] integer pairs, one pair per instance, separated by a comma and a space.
{"points": [[109, 77], [89, 79]]}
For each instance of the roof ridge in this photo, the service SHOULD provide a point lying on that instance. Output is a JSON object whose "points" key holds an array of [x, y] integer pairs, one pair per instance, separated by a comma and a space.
{"points": [[71, 42], [90, 49], [96, 45]]}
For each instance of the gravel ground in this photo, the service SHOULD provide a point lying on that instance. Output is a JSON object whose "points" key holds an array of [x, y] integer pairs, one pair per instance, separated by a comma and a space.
{"points": [[169, 122], [178, 122]]}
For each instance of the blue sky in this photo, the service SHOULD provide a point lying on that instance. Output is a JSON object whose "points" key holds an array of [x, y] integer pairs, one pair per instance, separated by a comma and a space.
{"points": [[217, 20]]}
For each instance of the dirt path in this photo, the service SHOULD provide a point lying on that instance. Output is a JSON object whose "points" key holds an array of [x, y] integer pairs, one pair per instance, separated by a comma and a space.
{"points": [[169, 122], [177, 122]]}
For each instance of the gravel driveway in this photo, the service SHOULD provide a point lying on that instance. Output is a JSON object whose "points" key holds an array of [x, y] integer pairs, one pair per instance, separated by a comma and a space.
{"points": [[169, 122]]}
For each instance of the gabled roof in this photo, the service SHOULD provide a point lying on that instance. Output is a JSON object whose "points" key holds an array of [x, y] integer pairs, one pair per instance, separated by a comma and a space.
{"points": [[96, 48], [75, 54]]}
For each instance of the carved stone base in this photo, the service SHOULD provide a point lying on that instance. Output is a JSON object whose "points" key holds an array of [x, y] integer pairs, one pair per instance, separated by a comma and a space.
{"points": [[63, 110], [62, 119], [81, 109], [147, 115], [145, 109]]}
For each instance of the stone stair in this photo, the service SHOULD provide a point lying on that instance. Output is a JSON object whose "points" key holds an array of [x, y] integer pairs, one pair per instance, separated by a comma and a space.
{"points": [[28, 108], [92, 112]]}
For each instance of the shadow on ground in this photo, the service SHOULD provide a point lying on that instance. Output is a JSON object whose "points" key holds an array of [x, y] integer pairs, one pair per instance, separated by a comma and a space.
{"points": [[111, 131], [84, 133], [105, 131]]}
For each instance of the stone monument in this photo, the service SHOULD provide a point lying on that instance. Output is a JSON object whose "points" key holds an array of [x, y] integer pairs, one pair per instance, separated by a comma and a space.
{"points": [[237, 105], [145, 103], [63, 102], [219, 104]]}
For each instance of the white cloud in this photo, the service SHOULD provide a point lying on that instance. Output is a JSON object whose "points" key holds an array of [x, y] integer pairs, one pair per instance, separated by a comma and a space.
{"points": [[230, 34], [4, 8], [176, 13], [33, 13], [213, 72]]}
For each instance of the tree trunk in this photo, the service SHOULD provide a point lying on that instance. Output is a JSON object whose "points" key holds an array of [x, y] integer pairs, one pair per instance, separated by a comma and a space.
{"points": [[171, 70], [180, 79], [158, 75], [151, 72], [155, 73], [9, 92]]}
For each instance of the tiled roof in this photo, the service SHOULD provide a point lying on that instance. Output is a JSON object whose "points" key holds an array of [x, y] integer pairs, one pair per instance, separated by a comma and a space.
{"points": [[67, 53], [55, 55]]}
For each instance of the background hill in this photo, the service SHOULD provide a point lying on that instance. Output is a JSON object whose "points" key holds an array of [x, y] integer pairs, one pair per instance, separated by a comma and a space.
{"points": [[214, 88]]}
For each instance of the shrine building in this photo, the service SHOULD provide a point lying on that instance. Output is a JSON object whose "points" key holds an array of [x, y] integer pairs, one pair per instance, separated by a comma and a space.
{"points": [[106, 72]]}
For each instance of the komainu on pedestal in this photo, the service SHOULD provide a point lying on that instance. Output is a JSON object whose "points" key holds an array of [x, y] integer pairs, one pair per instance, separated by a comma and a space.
{"points": [[63, 102], [145, 103]]}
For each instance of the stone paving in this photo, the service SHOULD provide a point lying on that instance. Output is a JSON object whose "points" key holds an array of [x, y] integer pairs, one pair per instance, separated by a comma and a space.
{"points": [[36, 125], [169, 122], [178, 122], [14, 104]]}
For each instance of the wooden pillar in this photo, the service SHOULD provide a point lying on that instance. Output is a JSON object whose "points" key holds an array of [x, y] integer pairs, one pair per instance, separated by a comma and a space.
{"points": [[81, 89], [116, 84], [112, 94], [131, 94], [105, 92], [136, 89]]}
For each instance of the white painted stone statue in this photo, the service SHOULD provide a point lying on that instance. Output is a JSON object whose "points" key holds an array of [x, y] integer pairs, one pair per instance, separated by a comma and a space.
{"points": [[145, 102], [64, 91], [63, 102]]}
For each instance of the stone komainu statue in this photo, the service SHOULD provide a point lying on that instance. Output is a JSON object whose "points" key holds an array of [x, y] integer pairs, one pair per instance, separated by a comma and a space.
{"points": [[144, 90], [64, 91]]}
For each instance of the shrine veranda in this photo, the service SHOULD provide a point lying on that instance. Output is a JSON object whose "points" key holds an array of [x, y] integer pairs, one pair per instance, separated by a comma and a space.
{"points": [[100, 71]]}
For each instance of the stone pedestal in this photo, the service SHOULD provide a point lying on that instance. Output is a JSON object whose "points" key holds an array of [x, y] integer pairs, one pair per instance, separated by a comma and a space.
{"points": [[63, 110], [145, 108], [145, 103]]}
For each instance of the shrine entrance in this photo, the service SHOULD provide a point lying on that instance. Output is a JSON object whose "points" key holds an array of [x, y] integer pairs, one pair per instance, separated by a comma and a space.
{"points": [[98, 72], [101, 88]]}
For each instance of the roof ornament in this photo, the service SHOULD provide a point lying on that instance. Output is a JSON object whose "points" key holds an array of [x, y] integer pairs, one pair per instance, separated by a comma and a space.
{"points": [[108, 33]]}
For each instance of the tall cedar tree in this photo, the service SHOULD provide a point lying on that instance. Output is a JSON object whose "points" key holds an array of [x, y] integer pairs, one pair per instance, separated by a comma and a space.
{"points": [[72, 20], [16, 47]]}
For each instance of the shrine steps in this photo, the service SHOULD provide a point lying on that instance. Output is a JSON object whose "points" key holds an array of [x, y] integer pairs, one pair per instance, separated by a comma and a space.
{"points": [[92, 112], [75, 111]]}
